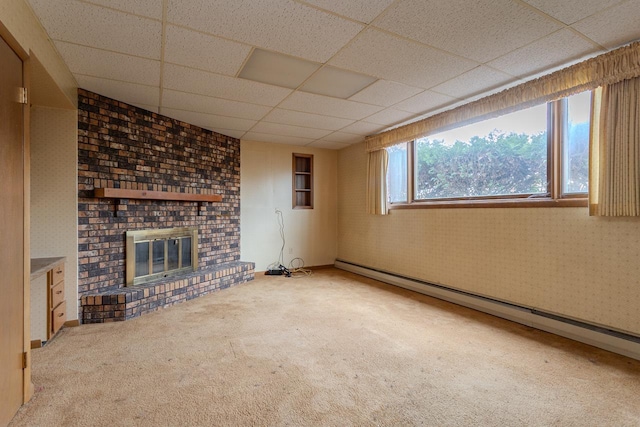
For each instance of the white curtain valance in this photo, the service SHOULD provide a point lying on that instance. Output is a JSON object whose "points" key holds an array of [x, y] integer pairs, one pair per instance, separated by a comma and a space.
{"points": [[612, 67]]}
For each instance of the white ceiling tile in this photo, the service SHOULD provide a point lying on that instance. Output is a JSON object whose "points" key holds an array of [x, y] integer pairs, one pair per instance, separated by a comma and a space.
{"points": [[152, 108], [229, 132], [481, 29], [472, 82], [96, 26], [115, 66], [424, 102], [389, 117], [147, 8], [287, 130], [126, 92], [330, 145], [200, 82], [209, 53], [277, 69], [360, 10], [323, 105], [416, 48], [281, 25], [363, 128], [385, 93], [332, 81], [277, 139], [570, 11], [207, 104], [549, 52], [209, 121], [298, 118], [613, 27], [389, 57], [343, 137]]}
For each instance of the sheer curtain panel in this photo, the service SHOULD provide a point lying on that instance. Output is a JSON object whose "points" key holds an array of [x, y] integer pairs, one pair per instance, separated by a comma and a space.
{"points": [[615, 150], [377, 182]]}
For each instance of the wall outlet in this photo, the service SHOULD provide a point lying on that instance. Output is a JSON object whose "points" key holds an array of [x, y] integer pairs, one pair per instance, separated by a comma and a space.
{"points": [[290, 251]]}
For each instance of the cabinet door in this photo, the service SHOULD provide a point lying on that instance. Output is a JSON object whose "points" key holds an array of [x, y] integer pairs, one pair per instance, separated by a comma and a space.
{"points": [[58, 317], [57, 294], [57, 274]]}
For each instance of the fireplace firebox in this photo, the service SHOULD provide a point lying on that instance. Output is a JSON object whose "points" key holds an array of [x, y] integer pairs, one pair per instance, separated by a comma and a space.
{"points": [[153, 254]]}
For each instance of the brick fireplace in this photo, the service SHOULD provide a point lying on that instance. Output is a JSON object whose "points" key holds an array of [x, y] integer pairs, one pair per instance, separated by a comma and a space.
{"points": [[124, 147]]}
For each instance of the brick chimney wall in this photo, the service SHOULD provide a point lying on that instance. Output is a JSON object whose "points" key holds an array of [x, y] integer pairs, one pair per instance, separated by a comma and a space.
{"points": [[123, 146]]}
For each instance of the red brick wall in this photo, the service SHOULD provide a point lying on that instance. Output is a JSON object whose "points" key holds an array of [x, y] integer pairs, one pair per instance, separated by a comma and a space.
{"points": [[123, 146]]}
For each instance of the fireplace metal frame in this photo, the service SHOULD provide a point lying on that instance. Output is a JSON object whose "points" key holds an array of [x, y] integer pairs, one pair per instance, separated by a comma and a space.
{"points": [[138, 236]]}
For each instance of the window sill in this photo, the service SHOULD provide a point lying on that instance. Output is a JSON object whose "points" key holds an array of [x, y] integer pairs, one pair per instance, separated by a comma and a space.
{"points": [[573, 202]]}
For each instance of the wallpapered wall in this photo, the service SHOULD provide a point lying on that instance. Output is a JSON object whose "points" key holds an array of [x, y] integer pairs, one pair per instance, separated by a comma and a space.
{"points": [[54, 229], [558, 260], [265, 182]]}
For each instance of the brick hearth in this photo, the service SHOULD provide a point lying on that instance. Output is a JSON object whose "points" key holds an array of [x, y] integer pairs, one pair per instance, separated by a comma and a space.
{"points": [[122, 146], [127, 303]]}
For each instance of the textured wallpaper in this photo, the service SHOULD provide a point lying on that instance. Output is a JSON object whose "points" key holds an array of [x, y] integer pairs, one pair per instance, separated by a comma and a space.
{"points": [[53, 205], [558, 260], [265, 180]]}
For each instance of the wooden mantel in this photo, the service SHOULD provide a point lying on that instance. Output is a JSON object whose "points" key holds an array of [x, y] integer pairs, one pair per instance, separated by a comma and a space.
{"points": [[120, 193]]}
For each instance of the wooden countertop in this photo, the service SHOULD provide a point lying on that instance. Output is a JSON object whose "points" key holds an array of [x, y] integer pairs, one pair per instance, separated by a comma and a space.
{"points": [[40, 266]]}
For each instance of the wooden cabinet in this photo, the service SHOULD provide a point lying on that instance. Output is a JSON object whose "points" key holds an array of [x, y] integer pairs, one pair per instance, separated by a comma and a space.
{"points": [[56, 304], [57, 294], [55, 300], [302, 181], [58, 317]]}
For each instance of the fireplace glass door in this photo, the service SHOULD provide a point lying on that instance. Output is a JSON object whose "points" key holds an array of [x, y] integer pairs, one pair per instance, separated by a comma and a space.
{"points": [[152, 254]]}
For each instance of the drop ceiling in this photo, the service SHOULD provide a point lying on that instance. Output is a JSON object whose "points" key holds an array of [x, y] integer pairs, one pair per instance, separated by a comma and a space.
{"points": [[335, 70]]}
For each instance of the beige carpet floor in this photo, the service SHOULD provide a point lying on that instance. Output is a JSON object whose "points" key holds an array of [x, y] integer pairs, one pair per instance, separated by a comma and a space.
{"points": [[334, 349]]}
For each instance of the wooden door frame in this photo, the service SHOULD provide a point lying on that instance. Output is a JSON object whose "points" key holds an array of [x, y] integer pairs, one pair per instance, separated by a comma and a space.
{"points": [[27, 385]]}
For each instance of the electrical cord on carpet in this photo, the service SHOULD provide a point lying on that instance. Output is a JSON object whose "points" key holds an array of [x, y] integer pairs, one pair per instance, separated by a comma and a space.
{"points": [[297, 268]]}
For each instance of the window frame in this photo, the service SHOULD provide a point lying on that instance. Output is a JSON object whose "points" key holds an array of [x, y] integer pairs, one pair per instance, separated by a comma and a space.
{"points": [[556, 115]]}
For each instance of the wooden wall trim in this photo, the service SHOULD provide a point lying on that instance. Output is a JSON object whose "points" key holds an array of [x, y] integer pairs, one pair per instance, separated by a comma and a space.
{"points": [[27, 384]]}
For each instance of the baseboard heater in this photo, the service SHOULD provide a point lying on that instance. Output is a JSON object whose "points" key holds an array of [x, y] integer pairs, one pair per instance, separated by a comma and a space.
{"points": [[615, 341]]}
